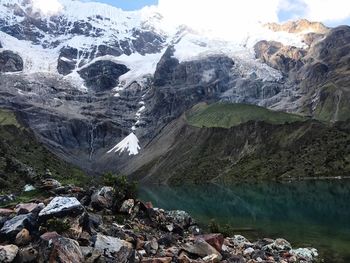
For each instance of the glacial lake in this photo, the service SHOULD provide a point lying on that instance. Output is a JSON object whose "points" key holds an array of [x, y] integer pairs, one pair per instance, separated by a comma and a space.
{"points": [[306, 213]]}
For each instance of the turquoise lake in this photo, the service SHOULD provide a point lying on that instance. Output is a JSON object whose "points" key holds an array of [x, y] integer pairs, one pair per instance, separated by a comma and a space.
{"points": [[306, 213]]}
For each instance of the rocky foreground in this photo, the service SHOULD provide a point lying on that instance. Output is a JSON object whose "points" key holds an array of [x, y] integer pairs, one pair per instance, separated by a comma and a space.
{"points": [[70, 224]]}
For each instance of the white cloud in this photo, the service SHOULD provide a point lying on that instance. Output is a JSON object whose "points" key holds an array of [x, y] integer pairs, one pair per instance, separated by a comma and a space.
{"points": [[47, 7], [327, 10], [213, 15], [237, 15]]}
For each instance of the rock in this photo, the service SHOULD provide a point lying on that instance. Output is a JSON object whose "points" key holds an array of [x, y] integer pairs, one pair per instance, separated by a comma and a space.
{"points": [[201, 248], [102, 75], [215, 240], [212, 258], [248, 251], [127, 206], [28, 188], [10, 62], [182, 218], [29, 254], [151, 247], [54, 246], [103, 198], [157, 260], [13, 226], [62, 206], [8, 253], [279, 244], [114, 247], [29, 208], [49, 184], [23, 237], [308, 254], [239, 240], [5, 212]]}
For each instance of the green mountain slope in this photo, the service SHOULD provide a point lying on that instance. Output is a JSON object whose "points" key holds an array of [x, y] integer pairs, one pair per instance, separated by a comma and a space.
{"points": [[24, 160], [253, 150]]}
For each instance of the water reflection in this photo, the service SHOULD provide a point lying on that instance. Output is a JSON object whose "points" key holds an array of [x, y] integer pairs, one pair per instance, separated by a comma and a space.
{"points": [[307, 213]]}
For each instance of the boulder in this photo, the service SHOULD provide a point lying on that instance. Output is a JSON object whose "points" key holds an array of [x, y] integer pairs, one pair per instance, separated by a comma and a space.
{"points": [[103, 198], [62, 206], [179, 217], [29, 208], [8, 253], [49, 184], [61, 249], [114, 247], [13, 226], [201, 248], [308, 254], [23, 237], [279, 244], [127, 206], [215, 240]]}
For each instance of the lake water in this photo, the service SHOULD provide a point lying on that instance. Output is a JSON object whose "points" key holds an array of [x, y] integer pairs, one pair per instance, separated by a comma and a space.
{"points": [[307, 213]]}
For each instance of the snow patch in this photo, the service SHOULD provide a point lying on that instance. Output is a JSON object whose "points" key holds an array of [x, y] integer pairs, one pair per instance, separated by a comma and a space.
{"points": [[130, 144]]}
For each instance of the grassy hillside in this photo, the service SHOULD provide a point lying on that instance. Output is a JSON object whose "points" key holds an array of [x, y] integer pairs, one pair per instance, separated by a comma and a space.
{"points": [[227, 115], [24, 160]]}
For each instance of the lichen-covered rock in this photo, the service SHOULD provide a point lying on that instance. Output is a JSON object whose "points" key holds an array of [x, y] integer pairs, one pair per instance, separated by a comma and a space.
{"points": [[179, 217], [8, 253], [111, 246], [62, 206], [308, 254]]}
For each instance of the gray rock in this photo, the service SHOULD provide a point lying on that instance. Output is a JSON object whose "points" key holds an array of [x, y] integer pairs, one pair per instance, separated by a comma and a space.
{"points": [[10, 62], [121, 250], [127, 206], [103, 198], [179, 217], [62, 206], [8, 253], [13, 226], [201, 248], [308, 254]]}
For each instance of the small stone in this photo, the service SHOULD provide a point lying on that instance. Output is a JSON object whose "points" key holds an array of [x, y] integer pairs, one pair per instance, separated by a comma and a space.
{"points": [[152, 246], [8, 253], [212, 258], [23, 237]]}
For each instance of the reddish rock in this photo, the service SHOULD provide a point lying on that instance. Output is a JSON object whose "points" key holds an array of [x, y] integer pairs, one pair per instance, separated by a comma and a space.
{"points": [[5, 212], [28, 208], [60, 249], [148, 205], [215, 240]]}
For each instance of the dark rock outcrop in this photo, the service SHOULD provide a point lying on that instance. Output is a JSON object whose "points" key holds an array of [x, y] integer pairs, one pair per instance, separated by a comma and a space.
{"points": [[10, 62], [103, 75]]}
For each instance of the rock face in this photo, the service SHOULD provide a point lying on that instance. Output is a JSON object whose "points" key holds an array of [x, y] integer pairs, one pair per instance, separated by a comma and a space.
{"points": [[10, 62], [61, 206], [103, 75]]}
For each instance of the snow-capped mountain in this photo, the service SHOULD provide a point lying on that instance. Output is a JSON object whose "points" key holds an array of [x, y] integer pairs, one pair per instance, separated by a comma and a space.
{"points": [[89, 77]]}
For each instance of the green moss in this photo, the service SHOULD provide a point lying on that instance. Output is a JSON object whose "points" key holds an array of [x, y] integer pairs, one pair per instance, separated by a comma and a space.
{"points": [[8, 118], [58, 225], [227, 115]]}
